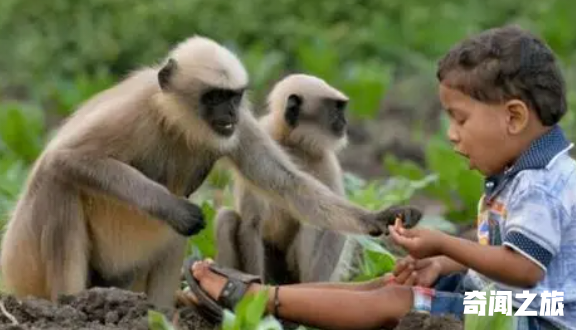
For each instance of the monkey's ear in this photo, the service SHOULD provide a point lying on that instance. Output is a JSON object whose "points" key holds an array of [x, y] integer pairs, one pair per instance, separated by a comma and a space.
{"points": [[166, 72], [292, 111]]}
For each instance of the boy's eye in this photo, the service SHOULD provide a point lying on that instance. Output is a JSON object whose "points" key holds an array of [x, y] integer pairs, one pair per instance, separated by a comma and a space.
{"points": [[459, 119]]}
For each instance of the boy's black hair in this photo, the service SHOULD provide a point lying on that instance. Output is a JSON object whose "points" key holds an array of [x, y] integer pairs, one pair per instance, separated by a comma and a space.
{"points": [[507, 63]]}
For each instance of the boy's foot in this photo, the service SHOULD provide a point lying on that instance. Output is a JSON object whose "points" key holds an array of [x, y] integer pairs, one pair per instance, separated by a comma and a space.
{"points": [[212, 282], [213, 288]]}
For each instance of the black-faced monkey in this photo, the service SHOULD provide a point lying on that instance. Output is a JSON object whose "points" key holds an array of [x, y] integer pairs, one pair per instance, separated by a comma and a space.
{"points": [[105, 203], [307, 118]]}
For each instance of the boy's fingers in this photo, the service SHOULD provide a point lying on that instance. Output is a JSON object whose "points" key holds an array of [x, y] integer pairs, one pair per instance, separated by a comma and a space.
{"points": [[393, 234], [403, 264], [400, 240], [398, 223], [404, 275], [411, 279], [400, 266], [422, 263], [391, 230]]}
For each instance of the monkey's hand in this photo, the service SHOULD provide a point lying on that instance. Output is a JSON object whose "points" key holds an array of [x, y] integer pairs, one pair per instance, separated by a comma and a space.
{"points": [[185, 217], [378, 222]]}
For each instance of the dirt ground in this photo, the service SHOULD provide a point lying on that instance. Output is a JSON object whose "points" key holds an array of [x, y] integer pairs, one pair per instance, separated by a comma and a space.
{"points": [[95, 309], [113, 309]]}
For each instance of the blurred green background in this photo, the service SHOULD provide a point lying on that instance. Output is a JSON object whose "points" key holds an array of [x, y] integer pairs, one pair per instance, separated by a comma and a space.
{"points": [[56, 54]]}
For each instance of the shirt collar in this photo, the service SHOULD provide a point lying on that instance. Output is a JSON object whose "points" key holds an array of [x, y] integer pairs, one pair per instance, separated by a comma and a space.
{"points": [[539, 154]]}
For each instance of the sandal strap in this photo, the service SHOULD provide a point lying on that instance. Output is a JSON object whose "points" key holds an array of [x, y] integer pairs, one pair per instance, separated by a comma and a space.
{"points": [[236, 285], [233, 273], [232, 293]]}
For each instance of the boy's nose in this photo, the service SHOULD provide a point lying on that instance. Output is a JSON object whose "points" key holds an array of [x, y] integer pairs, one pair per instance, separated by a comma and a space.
{"points": [[452, 135]]}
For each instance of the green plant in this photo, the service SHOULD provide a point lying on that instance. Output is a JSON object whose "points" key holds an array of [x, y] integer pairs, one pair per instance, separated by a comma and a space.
{"points": [[375, 259], [22, 130], [203, 244], [379, 194], [22, 136], [456, 186], [249, 314], [157, 321]]}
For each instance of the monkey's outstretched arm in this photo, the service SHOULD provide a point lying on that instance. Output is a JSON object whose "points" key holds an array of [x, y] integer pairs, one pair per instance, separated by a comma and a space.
{"points": [[119, 180], [269, 170]]}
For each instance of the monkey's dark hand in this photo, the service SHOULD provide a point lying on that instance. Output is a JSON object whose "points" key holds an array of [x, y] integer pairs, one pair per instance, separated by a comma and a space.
{"points": [[185, 217], [378, 223]]}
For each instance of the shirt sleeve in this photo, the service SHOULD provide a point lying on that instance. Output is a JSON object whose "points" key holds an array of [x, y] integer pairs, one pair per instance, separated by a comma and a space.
{"points": [[533, 225]]}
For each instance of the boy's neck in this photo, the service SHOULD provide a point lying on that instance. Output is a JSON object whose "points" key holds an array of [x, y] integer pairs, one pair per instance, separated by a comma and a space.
{"points": [[545, 151], [522, 142]]}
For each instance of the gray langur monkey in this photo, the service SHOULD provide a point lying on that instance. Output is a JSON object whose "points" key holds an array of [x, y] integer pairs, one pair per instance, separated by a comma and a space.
{"points": [[106, 202], [306, 116]]}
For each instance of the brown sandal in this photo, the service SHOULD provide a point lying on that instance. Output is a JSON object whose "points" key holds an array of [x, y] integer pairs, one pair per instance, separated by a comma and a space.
{"points": [[233, 291]]}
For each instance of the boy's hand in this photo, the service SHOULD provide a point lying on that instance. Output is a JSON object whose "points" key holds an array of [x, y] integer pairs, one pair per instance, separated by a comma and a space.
{"points": [[419, 242], [421, 272], [404, 272]]}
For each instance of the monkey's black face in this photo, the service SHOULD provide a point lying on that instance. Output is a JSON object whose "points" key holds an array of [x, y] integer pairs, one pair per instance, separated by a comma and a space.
{"points": [[336, 116], [329, 114], [219, 108]]}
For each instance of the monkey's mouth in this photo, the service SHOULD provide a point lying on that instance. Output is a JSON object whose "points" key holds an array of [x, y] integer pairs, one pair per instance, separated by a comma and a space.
{"points": [[224, 127], [339, 127]]}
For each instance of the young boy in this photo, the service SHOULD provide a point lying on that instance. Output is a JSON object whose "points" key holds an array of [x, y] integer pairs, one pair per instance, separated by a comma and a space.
{"points": [[504, 95]]}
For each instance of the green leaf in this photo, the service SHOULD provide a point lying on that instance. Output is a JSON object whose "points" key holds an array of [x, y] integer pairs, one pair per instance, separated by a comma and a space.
{"points": [[251, 308], [376, 260], [203, 242], [248, 314], [269, 323], [157, 321], [438, 223], [229, 321], [365, 85], [370, 244], [406, 168], [319, 59], [21, 130], [68, 94], [353, 183]]}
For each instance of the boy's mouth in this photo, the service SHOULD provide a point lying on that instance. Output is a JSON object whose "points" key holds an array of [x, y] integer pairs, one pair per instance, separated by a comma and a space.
{"points": [[467, 157], [462, 154]]}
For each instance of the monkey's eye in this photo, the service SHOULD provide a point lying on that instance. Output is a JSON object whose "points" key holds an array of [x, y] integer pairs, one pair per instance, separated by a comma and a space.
{"points": [[218, 96], [341, 105]]}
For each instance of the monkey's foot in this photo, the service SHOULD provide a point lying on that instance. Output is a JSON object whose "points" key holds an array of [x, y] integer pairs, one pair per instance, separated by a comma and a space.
{"points": [[214, 288]]}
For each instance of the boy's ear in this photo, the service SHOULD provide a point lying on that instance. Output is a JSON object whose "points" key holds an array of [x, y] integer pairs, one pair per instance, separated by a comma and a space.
{"points": [[518, 116]]}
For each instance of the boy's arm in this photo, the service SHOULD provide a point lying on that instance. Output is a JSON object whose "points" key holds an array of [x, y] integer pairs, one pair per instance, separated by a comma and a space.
{"points": [[353, 286], [448, 265], [532, 236], [497, 262]]}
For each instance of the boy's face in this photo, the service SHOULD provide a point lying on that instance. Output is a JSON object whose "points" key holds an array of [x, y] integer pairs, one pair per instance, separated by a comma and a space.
{"points": [[478, 131]]}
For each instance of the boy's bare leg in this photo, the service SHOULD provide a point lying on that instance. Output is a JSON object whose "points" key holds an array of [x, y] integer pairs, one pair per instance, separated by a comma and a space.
{"points": [[376, 283], [325, 308]]}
